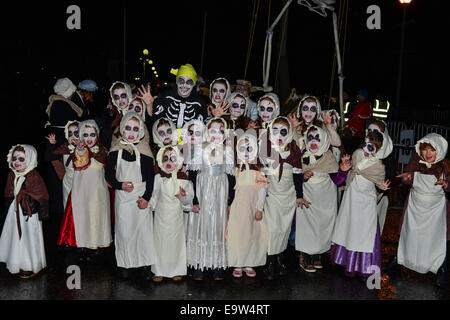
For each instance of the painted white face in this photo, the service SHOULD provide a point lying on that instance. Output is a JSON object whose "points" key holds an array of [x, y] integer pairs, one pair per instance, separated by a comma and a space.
{"points": [[120, 97], [131, 130], [280, 133], [18, 161], [334, 121], [266, 110], [217, 132], [90, 136], [245, 150], [369, 149], [218, 92], [136, 106], [195, 134], [73, 134], [373, 127], [309, 111], [237, 107], [313, 141], [165, 133], [185, 86], [169, 160]]}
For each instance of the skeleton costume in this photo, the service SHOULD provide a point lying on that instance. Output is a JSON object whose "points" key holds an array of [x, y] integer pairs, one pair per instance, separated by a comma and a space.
{"points": [[246, 237], [314, 225], [22, 241], [171, 105], [130, 160], [425, 221], [218, 91], [282, 166], [356, 236], [87, 219], [315, 117], [206, 245], [169, 227]]}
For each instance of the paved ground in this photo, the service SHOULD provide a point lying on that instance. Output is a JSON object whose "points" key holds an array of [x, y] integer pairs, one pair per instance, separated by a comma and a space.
{"points": [[101, 281]]}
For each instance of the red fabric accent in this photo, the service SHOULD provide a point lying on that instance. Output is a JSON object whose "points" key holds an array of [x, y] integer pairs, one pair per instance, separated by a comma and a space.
{"points": [[67, 229], [363, 109]]}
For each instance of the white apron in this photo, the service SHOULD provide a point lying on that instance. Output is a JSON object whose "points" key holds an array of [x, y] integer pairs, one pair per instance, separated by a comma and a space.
{"points": [[169, 226], [382, 207], [356, 223], [314, 225], [28, 252], [133, 226], [279, 208], [91, 207], [67, 179], [424, 231]]}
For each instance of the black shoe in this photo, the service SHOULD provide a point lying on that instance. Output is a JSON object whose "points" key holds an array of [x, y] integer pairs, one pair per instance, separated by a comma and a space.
{"points": [[391, 267], [92, 255], [125, 273], [218, 274], [281, 268], [269, 269], [147, 273], [197, 275]]}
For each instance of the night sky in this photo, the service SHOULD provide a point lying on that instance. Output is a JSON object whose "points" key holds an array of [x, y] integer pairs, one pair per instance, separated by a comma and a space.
{"points": [[37, 46]]}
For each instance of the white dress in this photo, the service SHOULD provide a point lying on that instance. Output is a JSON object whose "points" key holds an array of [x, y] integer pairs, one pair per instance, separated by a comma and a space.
{"points": [[314, 225], [169, 227], [422, 244], [91, 207], [28, 252], [133, 226]]}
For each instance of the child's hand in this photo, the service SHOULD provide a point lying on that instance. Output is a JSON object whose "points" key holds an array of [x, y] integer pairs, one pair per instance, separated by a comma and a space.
{"points": [[142, 203], [442, 182], [384, 186], [346, 163], [308, 174], [228, 209], [51, 138], [196, 208], [258, 215], [127, 186], [406, 176], [181, 194], [302, 202]]}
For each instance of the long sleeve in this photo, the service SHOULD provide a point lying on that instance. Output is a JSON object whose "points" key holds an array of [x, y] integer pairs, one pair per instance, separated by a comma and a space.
{"points": [[155, 193], [186, 201], [148, 175], [110, 172], [339, 177], [298, 183], [231, 184], [335, 139], [193, 178]]}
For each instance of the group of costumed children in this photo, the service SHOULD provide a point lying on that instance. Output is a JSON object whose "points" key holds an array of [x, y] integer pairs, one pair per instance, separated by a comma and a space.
{"points": [[225, 192]]}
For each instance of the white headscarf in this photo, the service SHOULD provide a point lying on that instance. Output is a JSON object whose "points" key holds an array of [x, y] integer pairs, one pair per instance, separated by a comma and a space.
{"points": [[253, 142], [82, 127], [233, 95], [66, 132], [438, 143], [319, 107], [324, 144], [272, 96], [225, 126], [128, 91], [144, 107], [281, 149], [31, 163], [382, 153], [227, 93], [157, 139]]}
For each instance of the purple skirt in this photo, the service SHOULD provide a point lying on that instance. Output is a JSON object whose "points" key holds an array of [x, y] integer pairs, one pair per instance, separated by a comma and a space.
{"points": [[357, 263]]}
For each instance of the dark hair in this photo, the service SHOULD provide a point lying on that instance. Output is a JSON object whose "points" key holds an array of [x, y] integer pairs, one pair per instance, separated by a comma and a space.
{"points": [[376, 139]]}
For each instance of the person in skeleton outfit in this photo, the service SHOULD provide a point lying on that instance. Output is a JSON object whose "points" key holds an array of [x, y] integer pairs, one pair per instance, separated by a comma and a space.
{"points": [[86, 222], [172, 195], [247, 231], [180, 104], [389, 164], [206, 244], [321, 172], [130, 171], [22, 240], [309, 112], [282, 166], [356, 235], [425, 223]]}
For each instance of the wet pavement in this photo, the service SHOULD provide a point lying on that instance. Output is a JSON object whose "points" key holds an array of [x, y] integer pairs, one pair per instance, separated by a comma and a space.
{"points": [[100, 280]]}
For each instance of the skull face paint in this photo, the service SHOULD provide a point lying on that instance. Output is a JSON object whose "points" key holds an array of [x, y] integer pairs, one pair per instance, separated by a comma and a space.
{"points": [[120, 97], [237, 107], [245, 150], [313, 141], [131, 130], [369, 149], [137, 106], [280, 133], [217, 132], [309, 111], [194, 133], [18, 161], [90, 136], [218, 92], [165, 133], [266, 110], [169, 160], [185, 86], [73, 134]]}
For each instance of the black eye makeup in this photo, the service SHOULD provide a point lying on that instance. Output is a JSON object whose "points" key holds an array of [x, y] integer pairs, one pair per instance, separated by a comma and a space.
{"points": [[237, 106], [311, 137], [268, 109], [312, 109], [20, 159], [369, 147], [122, 96]]}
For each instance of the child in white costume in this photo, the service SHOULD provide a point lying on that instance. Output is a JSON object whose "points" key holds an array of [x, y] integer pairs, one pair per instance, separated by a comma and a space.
{"points": [[206, 241], [172, 195], [356, 236], [321, 174], [247, 231], [130, 172], [22, 240]]}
